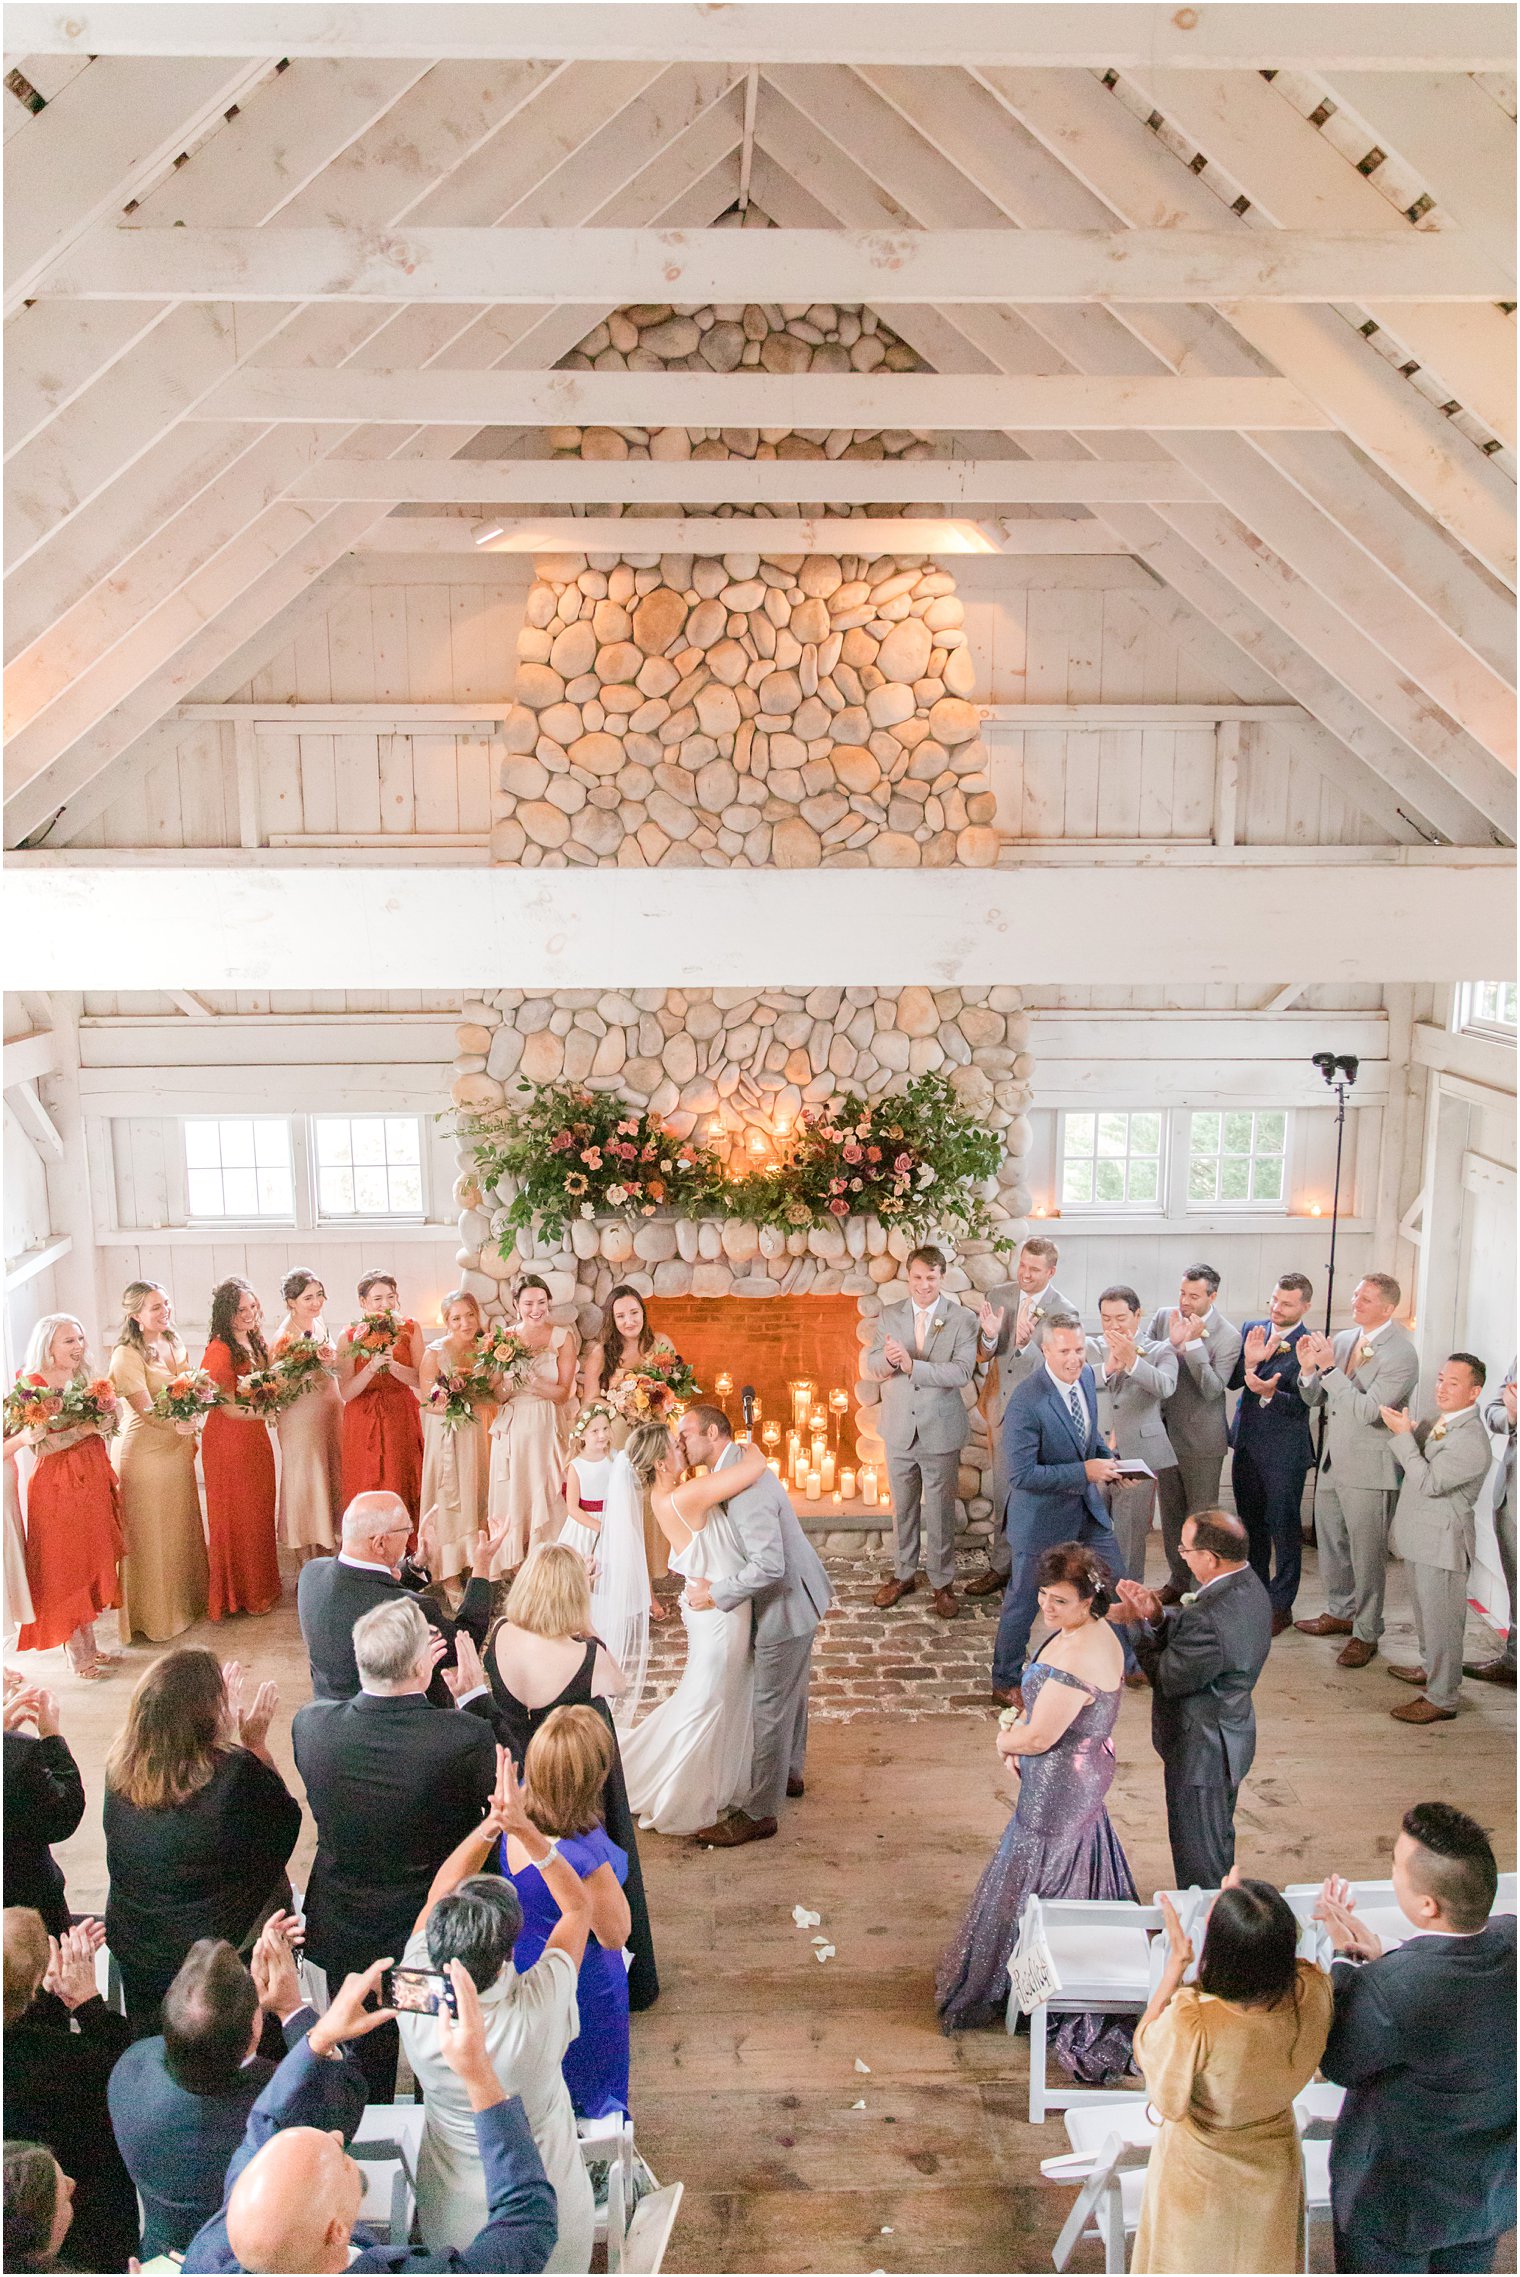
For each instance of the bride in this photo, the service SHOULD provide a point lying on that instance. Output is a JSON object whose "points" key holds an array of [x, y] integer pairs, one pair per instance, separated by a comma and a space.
{"points": [[689, 1759]]}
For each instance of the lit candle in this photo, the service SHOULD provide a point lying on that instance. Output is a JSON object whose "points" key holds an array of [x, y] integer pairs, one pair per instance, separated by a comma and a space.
{"points": [[817, 1421], [774, 1466], [839, 1400], [813, 1486], [772, 1434], [847, 1485], [723, 1384], [868, 1485], [836, 1499], [826, 1472]]}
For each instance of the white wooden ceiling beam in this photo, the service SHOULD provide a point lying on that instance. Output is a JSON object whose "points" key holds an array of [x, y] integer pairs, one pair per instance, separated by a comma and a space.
{"points": [[85, 155], [497, 267], [1451, 134], [719, 534], [1458, 36], [756, 399], [746, 482], [42, 1129], [1296, 178]]}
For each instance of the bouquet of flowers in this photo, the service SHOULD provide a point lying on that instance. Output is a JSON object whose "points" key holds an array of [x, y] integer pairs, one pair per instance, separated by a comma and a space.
{"points": [[657, 1391], [669, 1368], [32, 1404], [375, 1334], [188, 1397], [266, 1391], [298, 1360], [458, 1393], [504, 1353]]}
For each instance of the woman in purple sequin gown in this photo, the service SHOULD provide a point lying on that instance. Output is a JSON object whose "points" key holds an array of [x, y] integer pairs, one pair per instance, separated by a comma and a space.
{"points": [[1059, 1842]]}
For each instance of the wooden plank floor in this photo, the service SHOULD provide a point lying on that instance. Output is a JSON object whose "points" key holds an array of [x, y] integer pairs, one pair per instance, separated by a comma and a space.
{"points": [[745, 2082]]}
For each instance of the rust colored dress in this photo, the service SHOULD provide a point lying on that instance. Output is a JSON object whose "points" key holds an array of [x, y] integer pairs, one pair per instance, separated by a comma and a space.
{"points": [[237, 1463], [73, 1542], [382, 1432]]}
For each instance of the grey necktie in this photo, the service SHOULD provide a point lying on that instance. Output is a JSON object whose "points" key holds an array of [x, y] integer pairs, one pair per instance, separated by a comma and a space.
{"points": [[1078, 1412]]}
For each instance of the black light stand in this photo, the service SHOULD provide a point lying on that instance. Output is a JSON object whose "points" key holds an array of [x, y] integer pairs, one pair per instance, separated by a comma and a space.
{"points": [[1340, 1072]]}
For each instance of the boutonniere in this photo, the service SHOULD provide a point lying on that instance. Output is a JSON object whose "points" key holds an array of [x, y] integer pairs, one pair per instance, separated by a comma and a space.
{"points": [[1365, 1353], [1282, 1345], [1188, 1597], [1438, 1430], [1009, 1717], [1038, 1313]]}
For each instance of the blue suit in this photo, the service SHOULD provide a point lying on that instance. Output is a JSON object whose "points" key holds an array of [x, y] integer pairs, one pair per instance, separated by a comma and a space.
{"points": [[1051, 1500], [1274, 1451]]}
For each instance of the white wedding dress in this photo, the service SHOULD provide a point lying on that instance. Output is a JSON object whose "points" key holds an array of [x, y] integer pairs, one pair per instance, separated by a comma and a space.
{"points": [[690, 1759]]}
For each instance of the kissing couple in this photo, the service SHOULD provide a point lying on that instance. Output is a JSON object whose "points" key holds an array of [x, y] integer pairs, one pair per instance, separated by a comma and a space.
{"points": [[716, 1758]]}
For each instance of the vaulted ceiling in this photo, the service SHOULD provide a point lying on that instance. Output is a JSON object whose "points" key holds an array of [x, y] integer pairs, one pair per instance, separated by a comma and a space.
{"points": [[165, 507]]}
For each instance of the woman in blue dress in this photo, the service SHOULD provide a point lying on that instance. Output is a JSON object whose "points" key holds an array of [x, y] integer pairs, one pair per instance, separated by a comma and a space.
{"points": [[1059, 1842], [566, 1768]]}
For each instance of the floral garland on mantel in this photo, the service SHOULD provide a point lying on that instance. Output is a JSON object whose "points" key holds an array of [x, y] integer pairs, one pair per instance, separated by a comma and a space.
{"points": [[912, 1158]]}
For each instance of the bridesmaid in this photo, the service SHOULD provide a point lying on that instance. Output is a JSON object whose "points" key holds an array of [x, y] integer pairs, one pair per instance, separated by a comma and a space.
{"points": [[18, 1597], [73, 1511], [454, 1455], [164, 1577], [311, 1428], [627, 1343], [526, 1501], [237, 1461], [382, 1428]]}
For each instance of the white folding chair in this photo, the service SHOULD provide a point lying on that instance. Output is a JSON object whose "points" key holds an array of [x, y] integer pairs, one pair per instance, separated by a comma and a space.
{"points": [[1094, 1954], [648, 2234], [609, 2142], [108, 1980], [1108, 2203], [386, 2145]]}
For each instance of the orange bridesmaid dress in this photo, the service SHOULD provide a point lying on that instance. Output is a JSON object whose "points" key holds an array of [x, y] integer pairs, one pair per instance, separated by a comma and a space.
{"points": [[237, 1462], [73, 1542], [382, 1432]]}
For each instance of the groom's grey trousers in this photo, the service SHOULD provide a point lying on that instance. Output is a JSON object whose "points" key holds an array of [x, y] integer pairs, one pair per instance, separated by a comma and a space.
{"points": [[781, 1721]]}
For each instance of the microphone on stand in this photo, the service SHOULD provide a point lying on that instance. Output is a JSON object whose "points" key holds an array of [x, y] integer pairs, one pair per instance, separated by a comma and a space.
{"points": [[747, 1402]]}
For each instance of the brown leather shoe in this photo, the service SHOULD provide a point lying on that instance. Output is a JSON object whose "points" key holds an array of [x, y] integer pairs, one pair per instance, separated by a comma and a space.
{"points": [[1355, 1653], [988, 1584], [794, 1786], [1490, 1671], [1406, 1675], [1012, 1699], [891, 1591], [1422, 1711], [729, 1833], [947, 1604], [1280, 1622], [1323, 1625]]}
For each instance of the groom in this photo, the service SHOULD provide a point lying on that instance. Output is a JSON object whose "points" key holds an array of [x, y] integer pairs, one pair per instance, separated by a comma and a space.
{"points": [[783, 1575]]}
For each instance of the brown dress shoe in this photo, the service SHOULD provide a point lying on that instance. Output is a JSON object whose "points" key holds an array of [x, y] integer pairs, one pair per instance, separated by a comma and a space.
{"points": [[1422, 1711], [1406, 1675], [1323, 1625], [729, 1833], [987, 1584], [1491, 1671], [947, 1604], [1280, 1622], [1355, 1653], [891, 1591], [794, 1786]]}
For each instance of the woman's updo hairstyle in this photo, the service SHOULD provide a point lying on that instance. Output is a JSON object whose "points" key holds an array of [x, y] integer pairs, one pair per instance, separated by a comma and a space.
{"points": [[297, 1282], [531, 1281], [647, 1448], [1075, 1565]]}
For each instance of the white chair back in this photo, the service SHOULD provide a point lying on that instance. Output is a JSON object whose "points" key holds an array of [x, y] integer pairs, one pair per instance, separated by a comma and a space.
{"points": [[1075, 1954], [386, 2144], [648, 2234]]}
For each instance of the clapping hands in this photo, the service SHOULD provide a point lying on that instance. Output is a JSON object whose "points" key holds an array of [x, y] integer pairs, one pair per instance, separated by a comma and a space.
{"points": [[251, 1724], [1179, 1943], [1134, 1602], [1347, 1932], [70, 1973], [991, 1317], [1315, 1353], [897, 1355], [276, 1979], [467, 1675], [1398, 1420]]}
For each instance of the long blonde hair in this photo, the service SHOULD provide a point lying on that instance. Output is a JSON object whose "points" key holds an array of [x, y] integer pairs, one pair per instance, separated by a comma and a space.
{"points": [[39, 1349], [648, 1447], [133, 1297], [551, 1596]]}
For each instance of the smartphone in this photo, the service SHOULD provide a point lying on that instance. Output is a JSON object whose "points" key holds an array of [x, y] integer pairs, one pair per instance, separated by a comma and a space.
{"points": [[418, 1992]]}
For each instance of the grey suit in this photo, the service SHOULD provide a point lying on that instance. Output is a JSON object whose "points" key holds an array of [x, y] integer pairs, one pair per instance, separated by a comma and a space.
{"points": [[784, 1579], [1198, 1427], [1358, 1477], [925, 1423], [1497, 1419], [1434, 1532], [1129, 1416], [1203, 1660], [1009, 1362]]}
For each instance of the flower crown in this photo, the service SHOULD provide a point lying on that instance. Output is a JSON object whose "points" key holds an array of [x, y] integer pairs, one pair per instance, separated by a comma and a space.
{"points": [[598, 1411]]}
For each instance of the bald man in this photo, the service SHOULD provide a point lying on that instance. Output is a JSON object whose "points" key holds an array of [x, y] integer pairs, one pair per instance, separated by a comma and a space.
{"points": [[370, 1569], [294, 2192]]}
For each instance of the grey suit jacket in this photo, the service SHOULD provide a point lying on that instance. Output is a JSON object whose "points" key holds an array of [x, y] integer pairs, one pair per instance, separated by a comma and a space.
{"points": [[1434, 1523], [1495, 1417], [1358, 1449], [1129, 1406], [1203, 1660], [923, 1413], [782, 1574], [1195, 1413], [1010, 1365]]}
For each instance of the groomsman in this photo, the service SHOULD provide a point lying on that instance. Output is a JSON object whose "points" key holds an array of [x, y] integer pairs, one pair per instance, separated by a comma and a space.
{"points": [[1499, 1415], [1363, 1371], [1272, 1442], [923, 1357], [1207, 1347], [1012, 1325], [1136, 1373], [1444, 1465]]}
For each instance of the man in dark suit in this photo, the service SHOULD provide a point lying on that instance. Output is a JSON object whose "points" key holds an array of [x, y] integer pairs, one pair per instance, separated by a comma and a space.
{"points": [[393, 1783], [372, 1568], [1274, 1449], [293, 2192], [1203, 1657], [44, 1802], [1422, 2168], [1057, 1462]]}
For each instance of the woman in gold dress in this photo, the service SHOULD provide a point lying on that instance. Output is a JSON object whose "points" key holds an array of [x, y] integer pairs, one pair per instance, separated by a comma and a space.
{"points": [[165, 1575], [526, 1498], [311, 1428], [454, 1455]]}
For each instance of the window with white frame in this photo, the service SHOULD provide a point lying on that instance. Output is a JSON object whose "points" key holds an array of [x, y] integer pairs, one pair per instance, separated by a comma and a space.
{"points": [[1112, 1161], [1487, 1008], [368, 1166], [1237, 1158], [238, 1166]]}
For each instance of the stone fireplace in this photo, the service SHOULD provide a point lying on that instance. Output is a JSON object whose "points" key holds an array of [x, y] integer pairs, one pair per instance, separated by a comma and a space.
{"points": [[742, 1063]]}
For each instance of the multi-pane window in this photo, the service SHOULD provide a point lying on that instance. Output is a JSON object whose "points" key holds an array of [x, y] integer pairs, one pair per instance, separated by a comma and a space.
{"points": [[1489, 1005], [1238, 1156], [1111, 1161], [238, 1166], [368, 1166]]}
